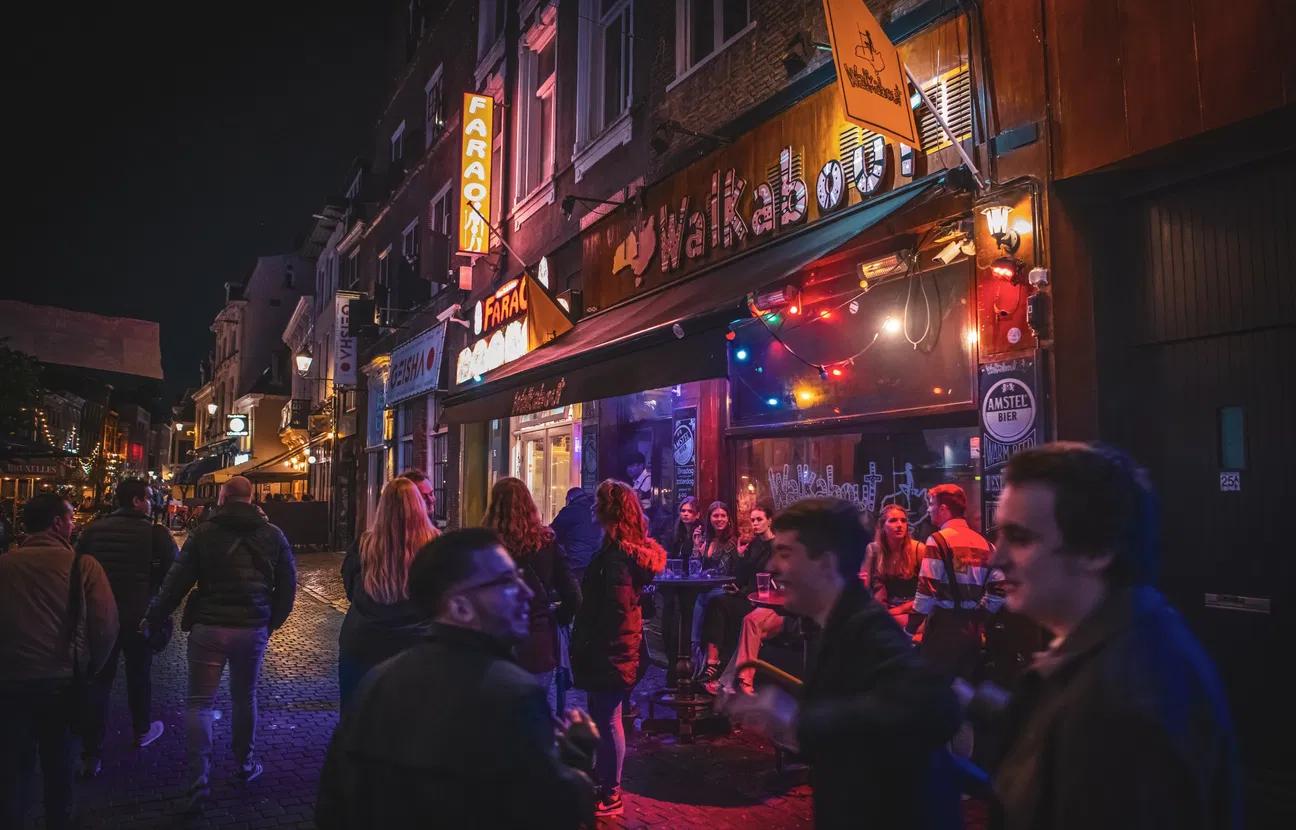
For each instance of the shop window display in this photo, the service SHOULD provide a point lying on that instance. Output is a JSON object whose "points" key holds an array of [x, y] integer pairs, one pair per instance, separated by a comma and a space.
{"points": [[868, 469]]}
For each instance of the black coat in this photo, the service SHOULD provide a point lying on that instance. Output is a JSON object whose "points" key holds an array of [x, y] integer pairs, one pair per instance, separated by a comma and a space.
{"points": [[1123, 725], [578, 531], [546, 572], [251, 584], [608, 628], [450, 733], [135, 553], [873, 724], [372, 631]]}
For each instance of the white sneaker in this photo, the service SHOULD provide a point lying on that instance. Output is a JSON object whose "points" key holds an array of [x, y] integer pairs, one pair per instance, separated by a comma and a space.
{"points": [[155, 730]]}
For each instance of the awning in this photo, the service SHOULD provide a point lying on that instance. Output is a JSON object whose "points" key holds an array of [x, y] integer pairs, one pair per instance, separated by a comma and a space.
{"points": [[633, 346], [194, 470]]}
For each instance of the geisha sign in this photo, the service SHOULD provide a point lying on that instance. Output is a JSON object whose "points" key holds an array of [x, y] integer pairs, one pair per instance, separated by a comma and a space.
{"points": [[797, 169]]}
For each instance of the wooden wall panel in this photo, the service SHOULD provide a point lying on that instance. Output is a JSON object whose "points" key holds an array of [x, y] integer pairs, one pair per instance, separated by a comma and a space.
{"points": [[1017, 77], [1159, 68], [1088, 84], [1242, 58]]}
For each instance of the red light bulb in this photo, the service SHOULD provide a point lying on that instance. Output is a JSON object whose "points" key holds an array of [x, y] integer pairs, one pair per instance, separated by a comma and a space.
{"points": [[792, 309]]}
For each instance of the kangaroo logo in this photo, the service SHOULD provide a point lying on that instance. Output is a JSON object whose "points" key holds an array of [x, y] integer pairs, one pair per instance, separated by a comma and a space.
{"points": [[867, 52]]}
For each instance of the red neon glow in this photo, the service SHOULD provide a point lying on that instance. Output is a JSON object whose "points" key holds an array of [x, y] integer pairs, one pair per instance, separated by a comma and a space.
{"points": [[792, 309], [825, 314], [836, 373], [730, 335]]}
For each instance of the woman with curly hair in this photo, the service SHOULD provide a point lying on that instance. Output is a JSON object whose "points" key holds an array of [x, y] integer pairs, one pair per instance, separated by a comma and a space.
{"points": [[609, 627], [382, 620], [512, 513]]}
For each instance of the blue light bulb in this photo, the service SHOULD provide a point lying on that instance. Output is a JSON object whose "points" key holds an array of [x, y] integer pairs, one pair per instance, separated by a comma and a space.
{"points": [[772, 401], [741, 354]]}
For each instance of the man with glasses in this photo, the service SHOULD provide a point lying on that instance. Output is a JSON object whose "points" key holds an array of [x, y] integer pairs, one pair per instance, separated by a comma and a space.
{"points": [[452, 730]]}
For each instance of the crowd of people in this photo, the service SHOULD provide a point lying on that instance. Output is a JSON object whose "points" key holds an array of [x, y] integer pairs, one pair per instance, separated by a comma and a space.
{"points": [[459, 649]]}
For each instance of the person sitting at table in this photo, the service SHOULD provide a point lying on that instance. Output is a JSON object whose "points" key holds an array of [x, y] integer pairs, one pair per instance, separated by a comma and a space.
{"points": [[717, 544], [723, 615], [683, 544], [891, 563]]}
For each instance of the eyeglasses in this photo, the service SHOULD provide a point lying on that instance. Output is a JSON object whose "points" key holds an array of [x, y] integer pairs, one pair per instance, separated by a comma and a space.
{"points": [[512, 579]]}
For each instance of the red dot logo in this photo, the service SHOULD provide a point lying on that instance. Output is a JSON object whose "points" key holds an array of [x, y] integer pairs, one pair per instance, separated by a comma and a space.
{"points": [[431, 358]]}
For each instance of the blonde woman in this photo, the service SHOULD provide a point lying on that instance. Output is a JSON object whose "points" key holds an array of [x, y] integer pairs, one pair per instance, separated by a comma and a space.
{"points": [[382, 621]]}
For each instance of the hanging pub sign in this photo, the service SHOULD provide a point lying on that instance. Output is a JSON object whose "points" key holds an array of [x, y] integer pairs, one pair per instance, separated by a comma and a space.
{"points": [[1011, 421], [345, 355], [475, 173], [415, 366], [874, 89], [519, 316], [800, 167], [236, 426]]}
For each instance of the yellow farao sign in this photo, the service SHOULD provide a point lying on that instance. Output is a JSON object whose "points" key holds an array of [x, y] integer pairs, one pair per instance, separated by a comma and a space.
{"points": [[874, 87], [475, 173]]}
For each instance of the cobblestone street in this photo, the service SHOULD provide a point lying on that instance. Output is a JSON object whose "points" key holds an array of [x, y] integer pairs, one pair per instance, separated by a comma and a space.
{"points": [[713, 783]]}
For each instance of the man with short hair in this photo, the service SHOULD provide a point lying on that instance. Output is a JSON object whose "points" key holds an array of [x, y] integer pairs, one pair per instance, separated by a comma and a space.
{"points": [[873, 718], [976, 591], [1122, 722], [54, 631], [246, 582], [453, 731], [424, 485], [136, 554]]}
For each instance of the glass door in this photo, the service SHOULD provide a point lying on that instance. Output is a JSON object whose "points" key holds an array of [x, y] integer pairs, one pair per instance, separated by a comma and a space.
{"points": [[560, 471]]}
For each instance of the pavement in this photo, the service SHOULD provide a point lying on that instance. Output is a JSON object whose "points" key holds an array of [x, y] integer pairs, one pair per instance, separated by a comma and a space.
{"points": [[717, 782]]}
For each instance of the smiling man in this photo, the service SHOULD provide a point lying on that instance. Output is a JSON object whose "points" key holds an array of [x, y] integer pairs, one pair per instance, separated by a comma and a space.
{"points": [[1122, 722], [873, 718], [452, 732]]}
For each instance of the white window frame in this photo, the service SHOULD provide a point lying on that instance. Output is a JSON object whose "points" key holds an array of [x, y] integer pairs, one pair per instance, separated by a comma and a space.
{"points": [[410, 241], [592, 145], [398, 144], [683, 41], [490, 29], [383, 276], [527, 195], [434, 104], [442, 196]]}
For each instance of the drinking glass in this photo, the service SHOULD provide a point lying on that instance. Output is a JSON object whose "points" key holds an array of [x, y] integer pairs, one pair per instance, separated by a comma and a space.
{"points": [[674, 568], [695, 567], [763, 581]]}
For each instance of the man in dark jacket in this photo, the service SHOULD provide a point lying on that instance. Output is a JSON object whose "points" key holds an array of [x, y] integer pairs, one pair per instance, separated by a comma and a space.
{"points": [[136, 554], [452, 732], [578, 531], [51, 634], [1122, 722], [872, 719], [247, 580]]}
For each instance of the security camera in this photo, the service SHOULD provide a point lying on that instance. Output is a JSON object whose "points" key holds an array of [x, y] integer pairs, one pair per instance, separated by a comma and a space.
{"points": [[450, 315], [950, 252]]}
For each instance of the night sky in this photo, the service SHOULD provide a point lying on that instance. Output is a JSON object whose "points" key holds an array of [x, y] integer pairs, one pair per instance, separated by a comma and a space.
{"points": [[163, 147]]}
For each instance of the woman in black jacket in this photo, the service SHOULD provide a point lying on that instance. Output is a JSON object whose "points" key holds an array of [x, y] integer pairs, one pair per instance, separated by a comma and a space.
{"points": [[724, 612], [609, 626], [382, 620], [512, 513]]}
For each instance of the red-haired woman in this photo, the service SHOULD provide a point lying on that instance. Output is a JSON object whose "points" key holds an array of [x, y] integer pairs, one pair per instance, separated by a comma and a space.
{"points": [[382, 620], [891, 563], [512, 513], [609, 626]]}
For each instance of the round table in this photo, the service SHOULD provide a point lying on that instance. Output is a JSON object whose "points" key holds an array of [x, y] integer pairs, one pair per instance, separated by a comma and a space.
{"points": [[688, 698], [775, 600]]}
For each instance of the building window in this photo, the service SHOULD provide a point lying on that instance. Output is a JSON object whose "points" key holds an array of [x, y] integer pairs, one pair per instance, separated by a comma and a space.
{"points": [[410, 242], [607, 34], [434, 106], [398, 144], [490, 24], [351, 276], [704, 27], [439, 211], [535, 116], [440, 460], [384, 269]]}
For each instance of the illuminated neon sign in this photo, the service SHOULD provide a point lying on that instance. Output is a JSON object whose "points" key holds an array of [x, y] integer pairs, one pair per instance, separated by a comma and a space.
{"points": [[475, 173]]}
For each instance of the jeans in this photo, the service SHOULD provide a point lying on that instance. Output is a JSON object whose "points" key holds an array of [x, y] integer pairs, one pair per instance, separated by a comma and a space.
{"points": [[210, 648], [37, 722], [139, 690], [605, 711], [699, 611], [545, 679]]}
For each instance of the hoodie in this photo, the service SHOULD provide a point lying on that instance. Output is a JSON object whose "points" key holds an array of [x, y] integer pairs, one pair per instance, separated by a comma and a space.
{"points": [[243, 567], [578, 531]]}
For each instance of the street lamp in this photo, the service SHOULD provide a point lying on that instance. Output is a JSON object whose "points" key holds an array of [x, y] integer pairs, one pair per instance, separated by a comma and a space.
{"points": [[303, 359], [211, 408]]}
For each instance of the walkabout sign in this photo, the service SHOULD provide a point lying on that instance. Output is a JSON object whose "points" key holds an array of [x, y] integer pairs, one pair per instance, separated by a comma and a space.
{"points": [[874, 88]]}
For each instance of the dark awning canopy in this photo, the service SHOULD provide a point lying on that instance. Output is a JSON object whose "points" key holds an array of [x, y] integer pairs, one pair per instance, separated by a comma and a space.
{"points": [[634, 346], [194, 470]]}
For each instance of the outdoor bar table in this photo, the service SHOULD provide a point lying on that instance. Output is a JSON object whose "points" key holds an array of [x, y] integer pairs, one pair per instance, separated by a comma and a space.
{"points": [[774, 600], [688, 698]]}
